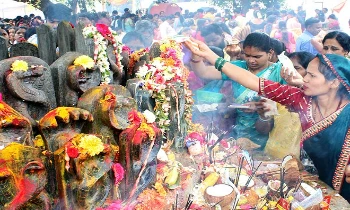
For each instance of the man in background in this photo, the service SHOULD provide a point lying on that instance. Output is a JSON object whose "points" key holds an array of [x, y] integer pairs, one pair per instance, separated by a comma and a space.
{"points": [[312, 28]]}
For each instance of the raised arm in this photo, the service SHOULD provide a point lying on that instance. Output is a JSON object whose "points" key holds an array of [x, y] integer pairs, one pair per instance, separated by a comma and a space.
{"points": [[236, 73], [203, 71]]}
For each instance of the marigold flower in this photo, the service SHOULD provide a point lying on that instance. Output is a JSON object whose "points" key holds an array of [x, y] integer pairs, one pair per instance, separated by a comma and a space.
{"points": [[91, 145], [19, 65], [84, 61]]}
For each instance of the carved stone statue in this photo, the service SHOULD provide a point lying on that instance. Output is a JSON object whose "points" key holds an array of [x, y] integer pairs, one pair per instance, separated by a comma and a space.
{"points": [[29, 92], [57, 127], [143, 97], [138, 155], [23, 178], [109, 105], [14, 127], [72, 81], [85, 181]]}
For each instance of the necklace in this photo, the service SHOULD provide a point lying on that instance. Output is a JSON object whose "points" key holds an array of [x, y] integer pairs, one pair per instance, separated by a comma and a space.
{"points": [[319, 110]]}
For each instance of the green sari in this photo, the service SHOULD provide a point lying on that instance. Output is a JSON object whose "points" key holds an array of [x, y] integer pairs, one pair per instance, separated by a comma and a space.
{"points": [[245, 122]]}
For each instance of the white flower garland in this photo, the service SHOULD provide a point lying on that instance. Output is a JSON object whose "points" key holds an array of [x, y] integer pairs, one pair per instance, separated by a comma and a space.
{"points": [[100, 51]]}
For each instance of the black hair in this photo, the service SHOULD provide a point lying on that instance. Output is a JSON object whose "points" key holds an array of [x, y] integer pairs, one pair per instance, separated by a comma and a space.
{"points": [[188, 22], [304, 58], [212, 28], [144, 25], [132, 35], [57, 12], [114, 12], [225, 28], [311, 21], [329, 76], [270, 21], [291, 12], [200, 10], [342, 38], [21, 27], [29, 32], [278, 46], [332, 16], [88, 15], [218, 51], [201, 23], [258, 40], [169, 17]]}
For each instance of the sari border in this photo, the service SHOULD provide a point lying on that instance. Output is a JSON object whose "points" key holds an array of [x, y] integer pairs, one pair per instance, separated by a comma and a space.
{"points": [[262, 86], [320, 126], [343, 161]]}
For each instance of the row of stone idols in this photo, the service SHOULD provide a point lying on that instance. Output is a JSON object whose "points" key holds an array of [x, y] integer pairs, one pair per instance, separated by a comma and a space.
{"points": [[34, 133], [34, 172]]}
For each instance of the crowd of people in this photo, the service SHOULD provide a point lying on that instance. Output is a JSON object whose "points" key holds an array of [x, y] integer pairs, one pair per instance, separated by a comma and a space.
{"points": [[240, 51]]}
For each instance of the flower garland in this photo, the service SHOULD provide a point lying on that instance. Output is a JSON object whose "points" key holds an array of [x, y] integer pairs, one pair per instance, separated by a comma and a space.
{"points": [[161, 74], [134, 58], [102, 34]]}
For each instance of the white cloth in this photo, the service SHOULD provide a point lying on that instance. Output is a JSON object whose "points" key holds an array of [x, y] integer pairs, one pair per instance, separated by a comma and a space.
{"points": [[166, 30]]}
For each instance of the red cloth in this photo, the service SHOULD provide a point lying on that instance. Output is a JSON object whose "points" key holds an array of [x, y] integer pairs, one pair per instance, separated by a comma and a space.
{"points": [[290, 96], [199, 37]]}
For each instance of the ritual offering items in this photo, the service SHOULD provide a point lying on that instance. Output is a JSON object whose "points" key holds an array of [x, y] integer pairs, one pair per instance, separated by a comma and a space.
{"points": [[110, 147]]}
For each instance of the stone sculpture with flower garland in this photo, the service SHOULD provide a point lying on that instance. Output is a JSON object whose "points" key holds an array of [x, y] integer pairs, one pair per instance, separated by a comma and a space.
{"points": [[166, 78], [103, 36]]}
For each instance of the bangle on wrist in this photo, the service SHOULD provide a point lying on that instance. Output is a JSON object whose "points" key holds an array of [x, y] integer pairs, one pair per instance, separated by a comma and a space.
{"points": [[219, 63], [265, 120], [195, 61]]}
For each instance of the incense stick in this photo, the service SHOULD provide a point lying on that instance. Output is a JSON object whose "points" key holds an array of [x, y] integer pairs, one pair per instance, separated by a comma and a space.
{"points": [[250, 178], [281, 182], [239, 170], [176, 198]]}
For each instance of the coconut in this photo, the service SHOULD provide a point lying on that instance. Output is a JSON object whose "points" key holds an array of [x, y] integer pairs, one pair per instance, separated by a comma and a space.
{"points": [[221, 193], [247, 144], [292, 176]]}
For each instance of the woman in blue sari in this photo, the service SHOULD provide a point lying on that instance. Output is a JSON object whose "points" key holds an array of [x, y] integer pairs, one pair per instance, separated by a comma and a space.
{"points": [[323, 105], [258, 51]]}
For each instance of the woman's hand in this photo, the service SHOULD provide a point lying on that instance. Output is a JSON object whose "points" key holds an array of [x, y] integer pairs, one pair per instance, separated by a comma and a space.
{"points": [[292, 77], [200, 49], [347, 174], [262, 107]]}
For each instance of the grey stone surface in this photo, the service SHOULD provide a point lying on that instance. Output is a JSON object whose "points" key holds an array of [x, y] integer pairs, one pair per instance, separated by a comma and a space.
{"points": [[3, 49], [47, 43], [24, 49], [65, 38], [31, 93]]}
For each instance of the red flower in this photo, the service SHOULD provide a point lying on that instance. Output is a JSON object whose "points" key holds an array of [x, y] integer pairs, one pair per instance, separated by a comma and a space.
{"points": [[134, 117], [138, 137], [72, 151], [224, 144], [118, 173], [196, 136], [159, 79], [103, 29], [126, 49]]}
